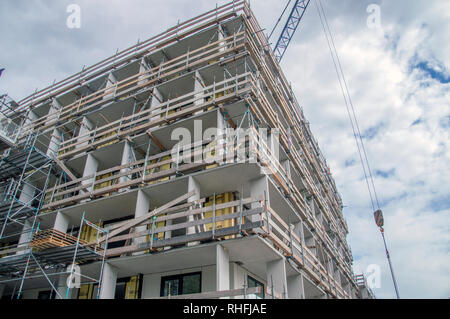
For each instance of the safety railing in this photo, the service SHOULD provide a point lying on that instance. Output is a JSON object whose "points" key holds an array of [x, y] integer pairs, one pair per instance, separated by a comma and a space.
{"points": [[161, 228], [165, 112], [174, 34], [123, 88]]}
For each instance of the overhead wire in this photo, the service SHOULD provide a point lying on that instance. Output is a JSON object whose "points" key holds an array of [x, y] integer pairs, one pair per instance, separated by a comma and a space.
{"points": [[355, 127], [279, 19]]}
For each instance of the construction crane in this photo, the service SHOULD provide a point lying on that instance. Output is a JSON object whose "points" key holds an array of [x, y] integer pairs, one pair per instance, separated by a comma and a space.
{"points": [[279, 50], [290, 27]]}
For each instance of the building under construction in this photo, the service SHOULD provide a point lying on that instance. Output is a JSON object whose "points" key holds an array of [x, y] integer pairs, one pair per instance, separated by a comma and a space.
{"points": [[181, 167]]}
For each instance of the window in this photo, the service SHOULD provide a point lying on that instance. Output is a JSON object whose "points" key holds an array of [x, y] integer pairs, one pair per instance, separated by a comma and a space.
{"points": [[47, 294], [181, 284], [252, 282]]}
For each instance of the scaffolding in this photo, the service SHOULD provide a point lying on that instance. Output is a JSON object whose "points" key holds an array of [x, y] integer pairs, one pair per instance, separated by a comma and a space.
{"points": [[49, 253], [24, 177], [10, 127]]}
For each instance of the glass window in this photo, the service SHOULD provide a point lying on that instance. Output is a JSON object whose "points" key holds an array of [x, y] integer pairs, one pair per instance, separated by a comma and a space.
{"points": [[252, 283], [181, 284], [191, 284]]}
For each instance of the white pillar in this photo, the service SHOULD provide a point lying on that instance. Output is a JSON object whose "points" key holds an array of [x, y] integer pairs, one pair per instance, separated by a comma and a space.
{"points": [[25, 237], [30, 118], [298, 230], [276, 277], [85, 128], [27, 193], [55, 139], [336, 274], [259, 189], [142, 208], [221, 36], [110, 86], [157, 99], [222, 269], [90, 168], [295, 287], [127, 157], [55, 142], [192, 185], [143, 67], [109, 279], [198, 89], [61, 222]]}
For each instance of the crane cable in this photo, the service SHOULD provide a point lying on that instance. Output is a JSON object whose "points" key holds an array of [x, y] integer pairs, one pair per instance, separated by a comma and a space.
{"points": [[279, 19], [355, 126]]}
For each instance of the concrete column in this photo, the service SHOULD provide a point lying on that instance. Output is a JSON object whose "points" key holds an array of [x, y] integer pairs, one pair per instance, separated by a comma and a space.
{"points": [[157, 100], [298, 229], [61, 222], [286, 164], [296, 289], [55, 139], [30, 118], [127, 157], [222, 269], [192, 185], [276, 277], [142, 208], [110, 86], [85, 128], [221, 36], [287, 167], [55, 142], [225, 141], [109, 279], [90, 168], [28, 192], [258, 189], [311, 245], [336, 274], [199, 84], [143, 67], [25, 237]]}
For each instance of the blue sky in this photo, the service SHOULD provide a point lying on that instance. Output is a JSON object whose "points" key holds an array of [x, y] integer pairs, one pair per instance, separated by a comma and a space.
{"points": [[398, 76]]}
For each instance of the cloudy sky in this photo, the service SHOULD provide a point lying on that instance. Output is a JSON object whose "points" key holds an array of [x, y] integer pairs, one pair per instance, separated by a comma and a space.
{"points": [[398, 76]]}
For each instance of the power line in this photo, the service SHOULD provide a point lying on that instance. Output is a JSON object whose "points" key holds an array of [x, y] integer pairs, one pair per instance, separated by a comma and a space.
{"points": [[356, 130], [279, 19]]}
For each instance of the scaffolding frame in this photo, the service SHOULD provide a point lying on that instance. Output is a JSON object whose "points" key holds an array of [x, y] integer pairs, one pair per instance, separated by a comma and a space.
{"points": [[35, 264], [22, 168]]}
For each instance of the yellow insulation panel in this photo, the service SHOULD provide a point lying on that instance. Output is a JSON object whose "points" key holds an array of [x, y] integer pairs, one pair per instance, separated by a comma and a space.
{"points": [[132, 288], [86, 291], [103, 184], [161, 168], [220, 199], [107, 143], [88, 233]]}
